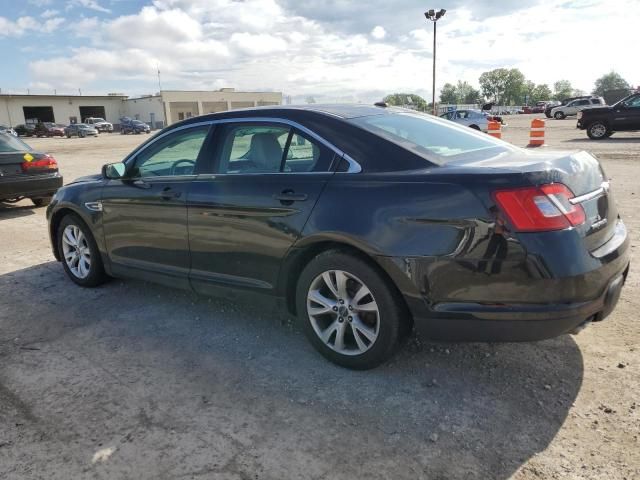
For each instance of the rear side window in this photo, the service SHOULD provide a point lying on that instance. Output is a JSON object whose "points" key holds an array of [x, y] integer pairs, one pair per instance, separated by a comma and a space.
{"points": [[267, 148], [9, 143], [435, 140]]}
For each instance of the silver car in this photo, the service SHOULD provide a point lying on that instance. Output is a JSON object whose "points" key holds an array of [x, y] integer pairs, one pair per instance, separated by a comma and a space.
{"points": [[9, 130], [80, 129], [573, 107], [475, 119]]}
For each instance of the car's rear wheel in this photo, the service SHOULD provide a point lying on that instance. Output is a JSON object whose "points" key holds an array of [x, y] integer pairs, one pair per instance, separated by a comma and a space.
{"points": [[597, 130], [475, 127], [348, 311], [41, 201], [79, 252], [558, 115]]}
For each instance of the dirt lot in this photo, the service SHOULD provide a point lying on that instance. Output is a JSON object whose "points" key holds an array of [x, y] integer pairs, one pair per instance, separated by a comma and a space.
{"points": [[138, 381]]}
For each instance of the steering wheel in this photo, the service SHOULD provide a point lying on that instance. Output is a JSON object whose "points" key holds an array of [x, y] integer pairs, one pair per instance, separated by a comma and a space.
{"points": [[175, 165]]}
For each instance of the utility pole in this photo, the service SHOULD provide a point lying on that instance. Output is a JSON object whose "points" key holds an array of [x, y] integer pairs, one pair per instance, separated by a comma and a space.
{"points": [[159, 82], [434, 16]]}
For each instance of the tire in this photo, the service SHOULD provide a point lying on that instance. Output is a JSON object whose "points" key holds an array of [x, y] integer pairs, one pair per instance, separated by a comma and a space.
{"points": [[41, 201], [559, 115], [68, 135], [475, 127], [380, 329], [81, 135], [597, 130], [95, 275]]}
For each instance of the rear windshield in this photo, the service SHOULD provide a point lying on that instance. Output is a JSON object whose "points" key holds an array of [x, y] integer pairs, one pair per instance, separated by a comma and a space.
{"points": [[438, 141], [9, 143]]}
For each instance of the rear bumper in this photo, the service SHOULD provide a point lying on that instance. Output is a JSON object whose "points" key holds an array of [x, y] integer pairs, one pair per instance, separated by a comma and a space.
{"points": [[515, 300], [30, 186], [517, 323]]}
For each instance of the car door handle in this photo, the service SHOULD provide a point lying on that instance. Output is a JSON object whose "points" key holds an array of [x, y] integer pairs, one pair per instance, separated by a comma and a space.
{"points": [[168, 194], [287, 197]]}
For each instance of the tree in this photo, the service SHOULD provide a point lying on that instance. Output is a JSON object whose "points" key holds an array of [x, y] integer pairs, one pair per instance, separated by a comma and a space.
{"points": [[461, 93], [408, 100], [466, 93], [541, 92], [310, 99], [449, 94], [503, 85], [608, 82], [562, 89]]}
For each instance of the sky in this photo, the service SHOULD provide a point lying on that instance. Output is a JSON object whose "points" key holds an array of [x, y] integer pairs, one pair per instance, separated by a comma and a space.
{"points": [[331, 50]]}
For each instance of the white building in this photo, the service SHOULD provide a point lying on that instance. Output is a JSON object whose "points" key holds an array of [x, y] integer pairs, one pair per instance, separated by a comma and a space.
{"points": [[165, 108]]}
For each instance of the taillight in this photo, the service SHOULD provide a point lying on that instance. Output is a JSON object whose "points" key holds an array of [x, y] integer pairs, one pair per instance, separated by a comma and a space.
{"points": [[543, 208], [46, 162]]}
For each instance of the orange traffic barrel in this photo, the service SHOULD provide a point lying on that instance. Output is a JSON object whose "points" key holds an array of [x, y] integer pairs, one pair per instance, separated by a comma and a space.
{"points": [[536, 136], [494, 129]]}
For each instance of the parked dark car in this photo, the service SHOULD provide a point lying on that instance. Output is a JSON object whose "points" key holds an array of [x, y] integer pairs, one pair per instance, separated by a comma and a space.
{"points": [[551, 105], [25, 130], [603, 122], [80, 130], [539, 107], [25, 173], [363, 221], [128, 125]]}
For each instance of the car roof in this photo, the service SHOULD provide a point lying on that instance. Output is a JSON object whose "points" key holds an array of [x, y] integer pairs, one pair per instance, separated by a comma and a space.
{"points": [[343, 111]]}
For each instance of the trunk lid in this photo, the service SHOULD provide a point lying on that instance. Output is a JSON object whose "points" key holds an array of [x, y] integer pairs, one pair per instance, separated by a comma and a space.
{"points": [[579, 171]]}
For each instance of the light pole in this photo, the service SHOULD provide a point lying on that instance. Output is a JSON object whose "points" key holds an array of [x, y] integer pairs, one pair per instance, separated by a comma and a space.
{"points": [[434, 17]]}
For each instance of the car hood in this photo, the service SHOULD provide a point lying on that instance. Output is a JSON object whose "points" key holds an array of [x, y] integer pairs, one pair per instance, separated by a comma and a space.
{"points": [[601, 109], [88, 178]]}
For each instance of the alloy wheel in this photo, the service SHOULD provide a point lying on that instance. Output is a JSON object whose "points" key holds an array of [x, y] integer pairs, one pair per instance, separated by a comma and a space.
{"points": [[75, 249], [343, 312], [598, 130]]}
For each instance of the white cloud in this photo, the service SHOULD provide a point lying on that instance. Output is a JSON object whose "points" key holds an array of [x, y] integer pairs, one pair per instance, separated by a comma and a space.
{"points": [[90, 4], [378, 32], [49, 13], [259, 44]]}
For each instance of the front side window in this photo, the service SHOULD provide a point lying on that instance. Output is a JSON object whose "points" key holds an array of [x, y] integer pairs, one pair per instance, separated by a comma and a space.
{"points": [[633, 102], [437, 141], [265, 148], [175, 154]]}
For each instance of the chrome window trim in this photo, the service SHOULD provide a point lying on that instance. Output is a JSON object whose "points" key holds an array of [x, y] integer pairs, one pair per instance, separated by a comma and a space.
{"points": [[354, 167]]}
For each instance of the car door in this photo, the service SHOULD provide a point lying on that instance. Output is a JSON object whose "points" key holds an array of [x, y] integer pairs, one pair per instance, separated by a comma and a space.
{"points": [[249, 210], [145, 214], [626, 116]]}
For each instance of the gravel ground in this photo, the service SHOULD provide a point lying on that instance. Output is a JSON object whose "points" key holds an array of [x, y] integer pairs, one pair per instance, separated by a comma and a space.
{"points": [[133, 380]]}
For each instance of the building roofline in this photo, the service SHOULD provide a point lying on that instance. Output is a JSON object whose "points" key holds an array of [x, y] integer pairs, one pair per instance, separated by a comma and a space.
{"points": [[31, 95]]}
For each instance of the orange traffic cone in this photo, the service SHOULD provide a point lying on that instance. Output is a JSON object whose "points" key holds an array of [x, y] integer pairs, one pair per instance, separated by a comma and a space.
{"points": [[536, 136], [494, 129]]}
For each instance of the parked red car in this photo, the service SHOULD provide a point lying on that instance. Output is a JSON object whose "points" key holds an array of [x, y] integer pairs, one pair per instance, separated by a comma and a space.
{"points": [[52, 129]]}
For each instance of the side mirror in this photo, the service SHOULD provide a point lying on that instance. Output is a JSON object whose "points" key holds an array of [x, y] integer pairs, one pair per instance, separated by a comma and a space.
{"points": [[114, 171]]}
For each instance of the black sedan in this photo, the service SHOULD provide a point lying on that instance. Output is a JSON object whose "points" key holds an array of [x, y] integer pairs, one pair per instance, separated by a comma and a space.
{"points": [[363, 221], [25, 173]]}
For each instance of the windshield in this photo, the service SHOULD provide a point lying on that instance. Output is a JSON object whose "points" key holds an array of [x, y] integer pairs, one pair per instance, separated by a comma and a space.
{"points": [[436, 140], [96, 120], [137, 122], [9, 143]]}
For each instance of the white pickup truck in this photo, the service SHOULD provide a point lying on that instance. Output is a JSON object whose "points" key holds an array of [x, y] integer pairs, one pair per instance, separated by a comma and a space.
{"points": [[99, 124]]}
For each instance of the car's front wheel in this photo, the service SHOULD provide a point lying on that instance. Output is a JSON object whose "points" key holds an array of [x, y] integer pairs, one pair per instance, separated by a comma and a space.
{"points": [[79, 252], [348, 311], [597, 130], [558, 115]]}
